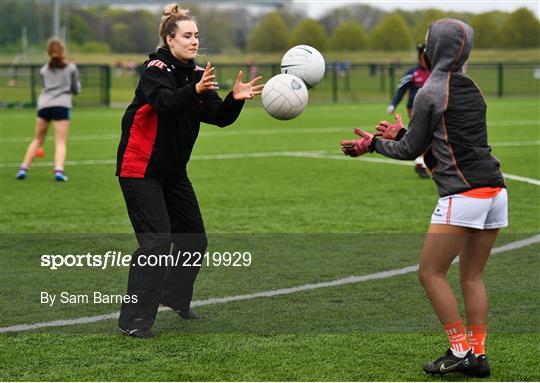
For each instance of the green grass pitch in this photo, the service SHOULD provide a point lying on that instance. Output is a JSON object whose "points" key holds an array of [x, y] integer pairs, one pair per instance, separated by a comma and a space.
{"points": [[284, 191]]}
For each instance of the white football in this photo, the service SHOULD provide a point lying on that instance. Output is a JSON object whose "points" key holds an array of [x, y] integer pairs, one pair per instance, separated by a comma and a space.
{"points": [[284, 96], [305, 62]]}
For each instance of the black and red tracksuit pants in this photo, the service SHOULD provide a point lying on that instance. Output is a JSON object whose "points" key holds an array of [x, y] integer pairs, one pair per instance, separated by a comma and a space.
{"points": [[162, 215]]}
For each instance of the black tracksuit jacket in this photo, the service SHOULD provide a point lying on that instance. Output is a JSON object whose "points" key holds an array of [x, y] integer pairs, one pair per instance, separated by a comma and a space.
{"points": [[161, 125]]}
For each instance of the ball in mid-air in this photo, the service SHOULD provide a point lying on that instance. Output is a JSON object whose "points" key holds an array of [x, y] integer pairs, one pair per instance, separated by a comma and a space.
{"points": [[284, 96], [305, 62]]}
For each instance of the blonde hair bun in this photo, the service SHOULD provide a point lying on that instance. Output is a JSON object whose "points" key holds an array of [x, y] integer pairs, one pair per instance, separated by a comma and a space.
{"points": [[173, 9], [172, 13]]}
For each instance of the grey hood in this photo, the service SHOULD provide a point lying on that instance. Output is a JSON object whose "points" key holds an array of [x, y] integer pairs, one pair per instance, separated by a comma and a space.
{"points": [[448, 45]]}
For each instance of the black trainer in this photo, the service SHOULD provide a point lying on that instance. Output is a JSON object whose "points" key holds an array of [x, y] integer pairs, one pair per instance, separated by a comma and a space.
{"points": [[184, 314], [480, 367], [189, 314], [138, 333], [450, 363]]}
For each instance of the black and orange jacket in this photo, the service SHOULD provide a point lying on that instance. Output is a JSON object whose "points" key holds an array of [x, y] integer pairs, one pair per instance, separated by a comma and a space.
{"points": [[162, 123], [448, 124]]}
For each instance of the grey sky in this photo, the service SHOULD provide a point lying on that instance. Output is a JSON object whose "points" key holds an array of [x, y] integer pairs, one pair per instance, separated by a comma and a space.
{"points": [[315, 8]]}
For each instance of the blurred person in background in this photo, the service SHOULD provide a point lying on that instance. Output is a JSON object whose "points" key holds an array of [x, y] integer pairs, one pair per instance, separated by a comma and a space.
{"points": [[60, 81], [159, 130], [414, 79]]}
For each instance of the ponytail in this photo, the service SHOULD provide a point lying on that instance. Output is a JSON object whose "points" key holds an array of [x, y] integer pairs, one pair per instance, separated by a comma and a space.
{"points": [[172, 13], [56, 52]]}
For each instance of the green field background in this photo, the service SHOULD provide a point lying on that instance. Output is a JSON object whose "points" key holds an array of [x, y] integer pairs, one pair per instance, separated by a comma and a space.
{"points": [[293, 206]]}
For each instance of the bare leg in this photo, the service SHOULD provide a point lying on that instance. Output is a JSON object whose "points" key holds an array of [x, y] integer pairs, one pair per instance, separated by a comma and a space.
{"points": [[42, 126], [472, 260], [61, 133], [441, 245]]}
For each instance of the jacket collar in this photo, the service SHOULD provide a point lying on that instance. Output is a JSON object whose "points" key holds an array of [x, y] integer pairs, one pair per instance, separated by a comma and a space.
{"points": [[164, 54]]}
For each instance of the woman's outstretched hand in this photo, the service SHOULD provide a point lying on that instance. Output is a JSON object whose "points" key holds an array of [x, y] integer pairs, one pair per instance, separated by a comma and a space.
{"points": [[208, 80], [248, 90]]}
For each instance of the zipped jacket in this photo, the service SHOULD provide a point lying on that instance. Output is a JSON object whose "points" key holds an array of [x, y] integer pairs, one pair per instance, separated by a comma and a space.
{"points": [[448, 123], [161, 125]]}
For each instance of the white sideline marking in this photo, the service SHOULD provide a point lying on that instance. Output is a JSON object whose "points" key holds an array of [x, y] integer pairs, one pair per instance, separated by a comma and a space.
{"points": [[195, 158], [528, 180], [300, 154], [514, 143], [79, 137], [208, 133], [531, 181], [43, 164], [279, 131], [266, 294], [514, 123]]}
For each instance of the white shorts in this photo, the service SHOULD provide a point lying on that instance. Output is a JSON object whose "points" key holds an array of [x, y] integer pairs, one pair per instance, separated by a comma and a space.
{"points": [[478, 213]]}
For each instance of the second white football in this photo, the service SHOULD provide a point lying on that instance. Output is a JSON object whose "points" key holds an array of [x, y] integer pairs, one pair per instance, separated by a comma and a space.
{"points": [[284, 96], [305, 62]]}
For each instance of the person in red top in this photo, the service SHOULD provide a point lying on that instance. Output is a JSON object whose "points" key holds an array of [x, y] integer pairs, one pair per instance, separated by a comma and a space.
{"points": [[412, 81], [159, 130]]}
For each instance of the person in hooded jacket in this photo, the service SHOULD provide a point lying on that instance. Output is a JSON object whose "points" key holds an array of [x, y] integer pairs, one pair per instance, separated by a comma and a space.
{"points": [[159, 130], [449, 126]]}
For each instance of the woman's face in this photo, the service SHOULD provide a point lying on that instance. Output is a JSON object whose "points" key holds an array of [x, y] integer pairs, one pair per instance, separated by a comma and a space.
{"points": [[185, 43]]}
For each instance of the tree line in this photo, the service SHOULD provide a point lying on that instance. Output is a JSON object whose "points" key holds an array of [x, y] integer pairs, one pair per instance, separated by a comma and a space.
{"points": [[234, 30]]}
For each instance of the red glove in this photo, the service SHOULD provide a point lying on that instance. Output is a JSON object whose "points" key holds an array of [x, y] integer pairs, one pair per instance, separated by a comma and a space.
{"points": [[357, 147], [389, 131]]}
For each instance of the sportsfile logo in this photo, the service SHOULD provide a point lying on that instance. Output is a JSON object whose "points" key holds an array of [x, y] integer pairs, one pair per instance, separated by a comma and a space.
{"points": [[110, 258], [117, 259]]}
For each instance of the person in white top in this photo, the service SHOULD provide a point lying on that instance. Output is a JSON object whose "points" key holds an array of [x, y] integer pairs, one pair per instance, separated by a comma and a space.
{"points": [[60, 82]]}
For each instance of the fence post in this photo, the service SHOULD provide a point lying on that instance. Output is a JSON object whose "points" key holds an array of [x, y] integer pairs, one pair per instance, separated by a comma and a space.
{"points": [[107, 85], [500, 70], [382, 70], [392, 78], [33, 84], [382, 78], [276, 69], [334, 83]]}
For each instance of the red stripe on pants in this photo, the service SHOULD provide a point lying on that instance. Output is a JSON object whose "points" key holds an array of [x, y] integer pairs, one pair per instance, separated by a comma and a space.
{"points": [[142, 136]]}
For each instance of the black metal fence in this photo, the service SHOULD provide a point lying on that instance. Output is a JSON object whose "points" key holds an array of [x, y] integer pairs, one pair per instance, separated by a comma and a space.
{"points": [[343, 82], [21, 83]]}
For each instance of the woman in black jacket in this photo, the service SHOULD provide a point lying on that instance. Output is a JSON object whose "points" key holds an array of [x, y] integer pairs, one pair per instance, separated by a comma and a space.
{"points": [[159, 130]]}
